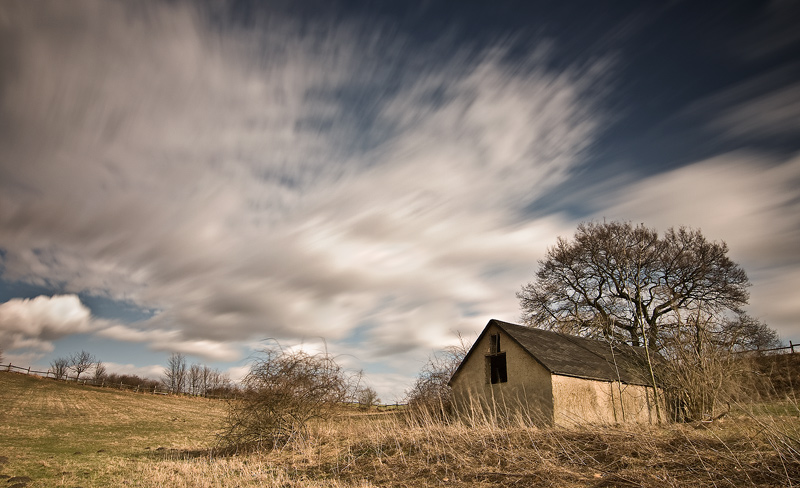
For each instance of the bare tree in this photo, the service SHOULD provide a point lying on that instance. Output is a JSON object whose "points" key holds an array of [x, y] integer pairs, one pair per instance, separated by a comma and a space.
{"points": [[617, 280], [679, 296], [431, 393], [746, 333], [195, 379], [59, 367], [80, 362], [367, 397], [99, 372], [205, 380], [175, 373]]}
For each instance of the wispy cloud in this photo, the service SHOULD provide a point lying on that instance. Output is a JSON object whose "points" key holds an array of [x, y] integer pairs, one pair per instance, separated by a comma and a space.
{"points": [[228, 180], [304, 178]]}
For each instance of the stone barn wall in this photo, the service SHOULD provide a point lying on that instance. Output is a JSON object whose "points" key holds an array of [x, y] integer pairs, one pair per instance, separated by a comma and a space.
{"points": [[580, 400]]}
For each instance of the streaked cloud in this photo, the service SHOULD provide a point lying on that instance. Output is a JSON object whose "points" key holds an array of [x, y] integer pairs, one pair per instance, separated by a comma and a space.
{"points": [[242, 199], [315, 178]]}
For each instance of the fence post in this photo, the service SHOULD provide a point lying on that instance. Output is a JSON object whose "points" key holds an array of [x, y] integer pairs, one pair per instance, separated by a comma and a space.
{"points": [[29, 370], [791, 346]]}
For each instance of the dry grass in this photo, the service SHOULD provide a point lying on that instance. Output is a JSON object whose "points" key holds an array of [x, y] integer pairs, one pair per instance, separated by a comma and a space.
{"points": [[385, 449], [388, 451]]}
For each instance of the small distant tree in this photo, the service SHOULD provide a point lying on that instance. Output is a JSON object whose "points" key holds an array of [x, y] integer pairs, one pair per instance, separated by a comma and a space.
{"points": [[205, 380], [81, 362], [284, 390], [59, 367], [175, 373], [195, 379], [367, 398], [99, 372]]}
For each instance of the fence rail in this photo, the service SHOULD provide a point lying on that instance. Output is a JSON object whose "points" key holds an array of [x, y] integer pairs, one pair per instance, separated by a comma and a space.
{"points": [[791, 348], [101, 383]]}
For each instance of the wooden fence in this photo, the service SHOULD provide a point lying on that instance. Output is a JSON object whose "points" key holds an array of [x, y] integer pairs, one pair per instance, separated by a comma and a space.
{"points": [[790, 349], [102, 383]]}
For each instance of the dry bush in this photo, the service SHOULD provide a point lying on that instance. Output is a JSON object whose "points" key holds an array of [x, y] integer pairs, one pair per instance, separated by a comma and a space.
{"points": [[775, 376], [705, 371], [431, 394], [282, 393]]}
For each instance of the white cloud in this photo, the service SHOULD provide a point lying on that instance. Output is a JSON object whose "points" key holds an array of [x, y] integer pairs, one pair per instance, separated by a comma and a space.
{"points": [[33, 323], [774, 113]]}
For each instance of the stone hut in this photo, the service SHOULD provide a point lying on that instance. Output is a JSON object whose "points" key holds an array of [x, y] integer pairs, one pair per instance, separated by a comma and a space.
{"points": [[550, 378]]}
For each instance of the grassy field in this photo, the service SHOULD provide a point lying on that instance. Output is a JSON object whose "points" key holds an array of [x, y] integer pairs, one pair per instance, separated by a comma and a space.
{"points": [[61, 434], [56, 434]]}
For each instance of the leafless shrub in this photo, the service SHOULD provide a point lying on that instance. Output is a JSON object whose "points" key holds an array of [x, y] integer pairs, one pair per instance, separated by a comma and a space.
{"points": [[431, 395], [284, 390], [706, 372]]}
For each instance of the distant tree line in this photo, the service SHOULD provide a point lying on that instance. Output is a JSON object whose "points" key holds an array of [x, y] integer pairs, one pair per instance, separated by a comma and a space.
{"points": [[197, 379]]}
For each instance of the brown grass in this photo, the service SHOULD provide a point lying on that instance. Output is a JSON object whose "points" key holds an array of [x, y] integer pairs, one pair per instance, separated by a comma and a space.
{"points": [[353, 450], [388, 451]]}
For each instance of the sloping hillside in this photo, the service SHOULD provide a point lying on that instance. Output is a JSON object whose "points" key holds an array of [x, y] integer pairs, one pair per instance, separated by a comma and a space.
{"points": [[60, 433]]}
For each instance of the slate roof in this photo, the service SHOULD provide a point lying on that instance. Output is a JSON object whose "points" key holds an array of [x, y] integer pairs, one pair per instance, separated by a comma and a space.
{"points": [[568, 355]]}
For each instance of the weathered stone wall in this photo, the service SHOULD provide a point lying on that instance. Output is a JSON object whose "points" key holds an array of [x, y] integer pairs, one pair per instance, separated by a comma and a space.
{"points": [[579, 400]]}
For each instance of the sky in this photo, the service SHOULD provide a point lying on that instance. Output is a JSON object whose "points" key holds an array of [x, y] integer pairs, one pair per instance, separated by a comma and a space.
{"points": [[373, 178]]}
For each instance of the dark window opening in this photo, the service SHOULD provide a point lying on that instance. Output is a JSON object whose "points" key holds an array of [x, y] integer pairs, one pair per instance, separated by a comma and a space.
{"points": [[498, 373], [494, 344]]}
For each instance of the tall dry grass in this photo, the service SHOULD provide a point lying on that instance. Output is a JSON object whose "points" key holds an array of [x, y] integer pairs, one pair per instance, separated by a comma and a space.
{"points": [[395, 449]]}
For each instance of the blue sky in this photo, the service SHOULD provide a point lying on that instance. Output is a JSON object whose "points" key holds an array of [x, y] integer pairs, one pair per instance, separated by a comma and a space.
{"points": [[200, 177]]}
